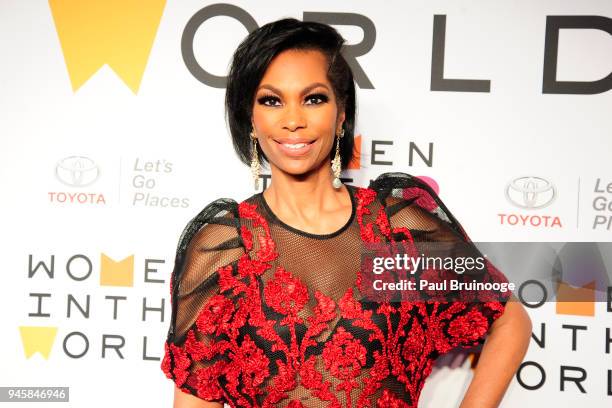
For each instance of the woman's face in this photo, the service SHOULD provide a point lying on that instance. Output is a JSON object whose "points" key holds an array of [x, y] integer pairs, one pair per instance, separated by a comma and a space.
{"points": [[295, 114]]}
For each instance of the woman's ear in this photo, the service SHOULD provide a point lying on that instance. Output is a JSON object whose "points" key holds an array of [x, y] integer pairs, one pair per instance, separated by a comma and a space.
{"points": [[340, 122]]}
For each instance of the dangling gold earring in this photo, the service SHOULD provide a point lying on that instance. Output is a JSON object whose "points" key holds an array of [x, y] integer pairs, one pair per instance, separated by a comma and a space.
{"points": [[254, 161], [336, 163]]}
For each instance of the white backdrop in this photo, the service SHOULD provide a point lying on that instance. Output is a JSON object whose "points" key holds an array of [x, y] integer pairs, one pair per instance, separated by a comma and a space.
{"points": [[108, 82]]}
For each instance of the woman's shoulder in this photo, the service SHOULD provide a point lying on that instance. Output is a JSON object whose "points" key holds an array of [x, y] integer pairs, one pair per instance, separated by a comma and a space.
{"points": [[413, 200], [401, 186], [217, 216], [220, 207], [403, 189]]}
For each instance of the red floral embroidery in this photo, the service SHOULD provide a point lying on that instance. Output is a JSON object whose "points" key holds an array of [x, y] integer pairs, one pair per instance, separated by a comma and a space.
{"points": [[228, 281], [313, 380], [468, 327], [390, 400], [249, 267], [365, 196], [285, 293], [324, 311], [196, 349], [248, 210], [415, 343], [497, 307], [383, 222], [247, 237], [166, 364], [266, 252], [401, 337], [207, 381], [284, 381], [215, 315], [344, 356], [181, 364], [350, 308], [248, 367]]}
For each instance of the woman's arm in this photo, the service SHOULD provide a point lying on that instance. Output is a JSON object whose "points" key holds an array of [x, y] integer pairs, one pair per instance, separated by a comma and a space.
{"points": [[501, 355], [184, 400]]}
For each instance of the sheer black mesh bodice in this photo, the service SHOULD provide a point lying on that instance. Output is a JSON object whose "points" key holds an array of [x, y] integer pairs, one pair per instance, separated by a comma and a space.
{"points": [[264, 314]]}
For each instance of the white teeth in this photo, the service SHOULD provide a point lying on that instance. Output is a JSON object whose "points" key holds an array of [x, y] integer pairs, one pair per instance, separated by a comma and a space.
{"points": [[294, 146]]}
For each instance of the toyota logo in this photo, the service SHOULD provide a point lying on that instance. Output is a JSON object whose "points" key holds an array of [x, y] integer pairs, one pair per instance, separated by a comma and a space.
{"points": [[77, 171], [530, 192]]}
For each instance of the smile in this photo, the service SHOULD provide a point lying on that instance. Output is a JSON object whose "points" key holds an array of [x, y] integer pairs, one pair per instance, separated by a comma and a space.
{"points": [[294, 146], [295, 149]]}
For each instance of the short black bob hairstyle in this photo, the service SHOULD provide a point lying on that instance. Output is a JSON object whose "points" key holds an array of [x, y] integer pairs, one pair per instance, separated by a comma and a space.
{"points": [[252, 58]]}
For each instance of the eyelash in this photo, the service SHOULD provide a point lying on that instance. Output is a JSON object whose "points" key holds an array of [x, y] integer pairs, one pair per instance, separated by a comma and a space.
{"points": [[265, 98]]}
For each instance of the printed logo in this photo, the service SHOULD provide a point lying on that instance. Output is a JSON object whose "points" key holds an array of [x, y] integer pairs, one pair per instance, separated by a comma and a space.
{"points": [[116, 273], [117, 33], [73, 338], [578, 301], [37, 340], [601, 204], [530, 192], [77, 171]]}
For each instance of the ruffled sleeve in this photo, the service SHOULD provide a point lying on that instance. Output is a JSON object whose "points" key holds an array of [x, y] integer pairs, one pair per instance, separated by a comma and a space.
{"points": [[194, 354], [417, 215]]}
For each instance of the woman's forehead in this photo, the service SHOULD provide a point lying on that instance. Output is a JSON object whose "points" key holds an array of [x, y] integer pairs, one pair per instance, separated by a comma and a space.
{"points": [[296, 68]]}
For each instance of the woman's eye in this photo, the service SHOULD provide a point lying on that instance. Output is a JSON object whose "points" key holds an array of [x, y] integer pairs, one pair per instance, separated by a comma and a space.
{"points": [[268, 100], [317, 98], [314, 99]]}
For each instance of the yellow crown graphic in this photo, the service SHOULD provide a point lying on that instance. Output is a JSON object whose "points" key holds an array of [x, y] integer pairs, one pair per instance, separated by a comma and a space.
{"points": [[113, 273], [119, 33], [579, 301], [37, 339]]}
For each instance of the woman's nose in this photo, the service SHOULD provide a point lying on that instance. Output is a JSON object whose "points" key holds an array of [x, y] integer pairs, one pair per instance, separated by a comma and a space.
{"points": [[294, 118]]}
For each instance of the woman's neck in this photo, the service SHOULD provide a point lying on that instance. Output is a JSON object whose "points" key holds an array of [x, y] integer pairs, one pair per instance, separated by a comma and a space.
{"points": [[306, 200]]}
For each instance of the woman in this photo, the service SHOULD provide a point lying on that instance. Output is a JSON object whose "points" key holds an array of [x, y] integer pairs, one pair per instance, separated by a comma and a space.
{"points": [[266, 302]]}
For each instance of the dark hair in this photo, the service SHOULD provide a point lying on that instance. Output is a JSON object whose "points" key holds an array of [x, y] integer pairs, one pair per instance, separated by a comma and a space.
{"points": [[251, 59]]}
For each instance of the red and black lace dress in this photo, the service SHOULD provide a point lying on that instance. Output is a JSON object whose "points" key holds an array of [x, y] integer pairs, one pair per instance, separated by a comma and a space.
{"points": [[266, 315]]}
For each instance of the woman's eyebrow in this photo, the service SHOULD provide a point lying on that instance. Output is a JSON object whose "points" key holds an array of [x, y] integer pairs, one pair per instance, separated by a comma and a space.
{"points": [[304, 91]]}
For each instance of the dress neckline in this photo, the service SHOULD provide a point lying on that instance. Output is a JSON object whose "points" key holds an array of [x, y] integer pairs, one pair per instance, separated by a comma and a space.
{"points": [[310, 234]]}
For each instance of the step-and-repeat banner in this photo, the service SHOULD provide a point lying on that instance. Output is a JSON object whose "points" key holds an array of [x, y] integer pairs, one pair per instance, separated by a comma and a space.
{"points": [[112, 136]]}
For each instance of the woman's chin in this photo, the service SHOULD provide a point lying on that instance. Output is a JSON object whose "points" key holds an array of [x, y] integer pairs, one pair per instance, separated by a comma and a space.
{"points": [[297, 168]]}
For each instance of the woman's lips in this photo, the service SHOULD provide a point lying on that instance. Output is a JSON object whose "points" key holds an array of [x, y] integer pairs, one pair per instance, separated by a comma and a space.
{"points": [[295, 149]]}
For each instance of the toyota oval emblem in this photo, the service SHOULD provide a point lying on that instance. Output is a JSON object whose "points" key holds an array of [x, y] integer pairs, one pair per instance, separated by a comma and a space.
{"points": [[77, 171], [530, 192]]}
